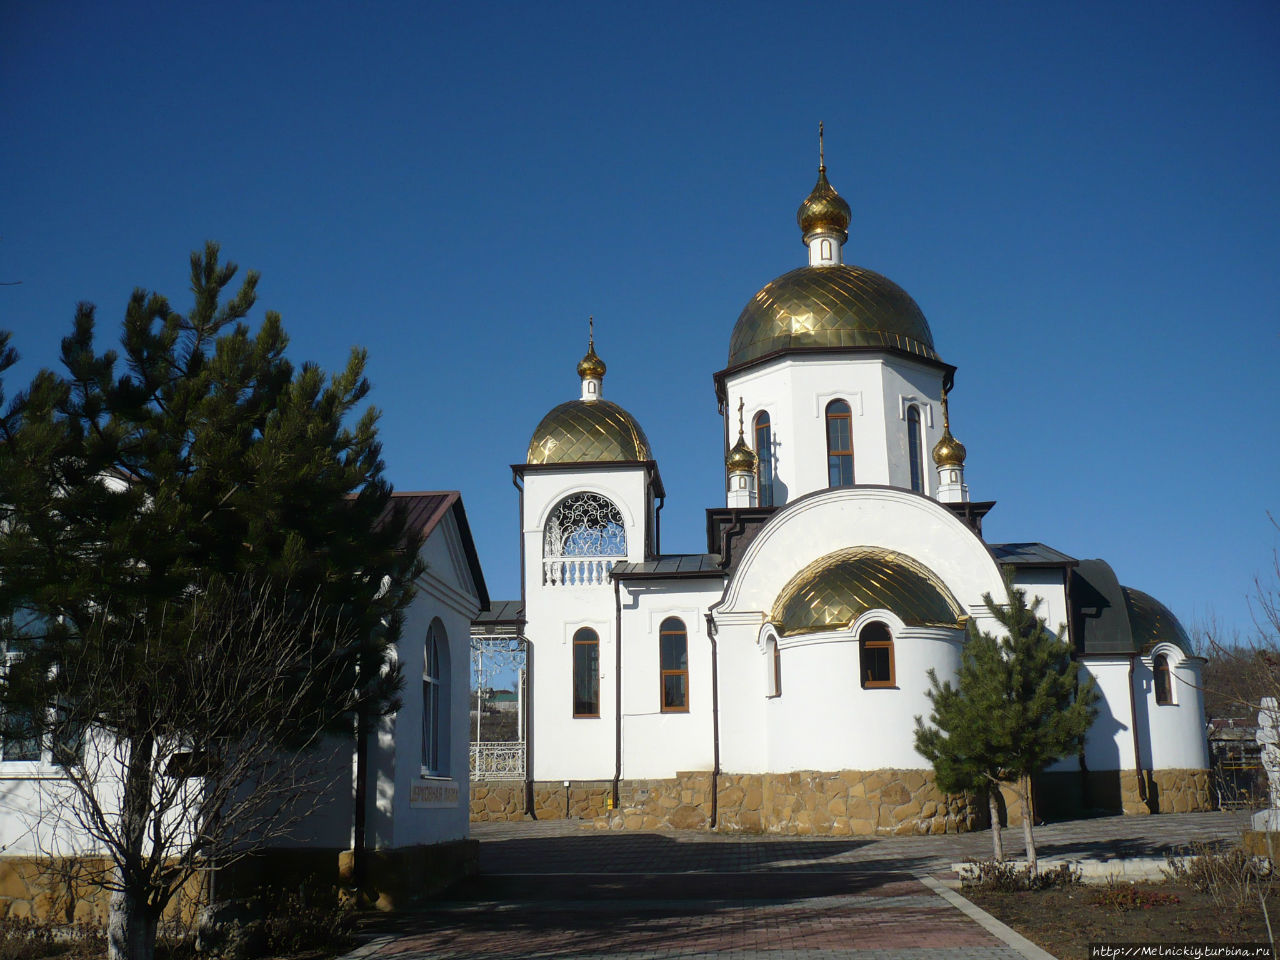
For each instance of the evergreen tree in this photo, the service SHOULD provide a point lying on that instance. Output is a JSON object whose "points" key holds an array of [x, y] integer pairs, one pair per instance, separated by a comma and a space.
{"points": [[1018, 705], [198, 464]]}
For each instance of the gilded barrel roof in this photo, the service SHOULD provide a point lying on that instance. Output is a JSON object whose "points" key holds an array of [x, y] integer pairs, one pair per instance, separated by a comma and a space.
{"points": [[1150, 622], [832, 592], [834, 306], [588, 431]]}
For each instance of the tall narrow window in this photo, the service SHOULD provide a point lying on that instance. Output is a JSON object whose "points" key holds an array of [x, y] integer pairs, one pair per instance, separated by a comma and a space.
{"points": [[764, 459], [913, 448], [674, 654], [839, 444], [1164, 686], [875, 655], [586, 673], [774, 685], [432, 678]]}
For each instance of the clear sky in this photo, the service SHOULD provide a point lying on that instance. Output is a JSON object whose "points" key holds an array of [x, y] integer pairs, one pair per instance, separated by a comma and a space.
{"points": [[1084, 198]]}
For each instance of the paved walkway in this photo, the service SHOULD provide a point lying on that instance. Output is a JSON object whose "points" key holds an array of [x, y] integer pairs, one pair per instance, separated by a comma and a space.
{"points": [[552, 890]]}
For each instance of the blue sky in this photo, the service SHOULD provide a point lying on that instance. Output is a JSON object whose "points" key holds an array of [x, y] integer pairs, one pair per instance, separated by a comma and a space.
{"points": [[1084, 198]]}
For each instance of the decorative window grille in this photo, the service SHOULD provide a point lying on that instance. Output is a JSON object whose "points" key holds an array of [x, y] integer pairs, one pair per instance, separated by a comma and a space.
{"points": [[583, 529]]}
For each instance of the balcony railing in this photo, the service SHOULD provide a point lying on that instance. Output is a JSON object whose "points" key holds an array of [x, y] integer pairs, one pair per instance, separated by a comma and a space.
{"points": [[577, 571]]}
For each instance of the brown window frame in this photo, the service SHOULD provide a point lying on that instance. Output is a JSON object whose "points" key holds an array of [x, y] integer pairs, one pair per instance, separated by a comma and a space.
{"points": [[833, 413], [764, 457], [777, 670], [915, 448], [1160, 668], [585, 636], [664, 672], [864, 645]]}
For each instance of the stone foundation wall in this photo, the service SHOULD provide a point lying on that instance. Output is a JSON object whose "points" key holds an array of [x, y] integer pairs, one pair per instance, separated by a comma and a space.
{"points": [[68, 890], [1069, 794], [506, 800], [498, 801]]}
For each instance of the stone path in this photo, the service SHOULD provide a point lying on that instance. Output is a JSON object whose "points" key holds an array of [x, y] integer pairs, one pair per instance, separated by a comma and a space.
{"points": [[551, 890]]}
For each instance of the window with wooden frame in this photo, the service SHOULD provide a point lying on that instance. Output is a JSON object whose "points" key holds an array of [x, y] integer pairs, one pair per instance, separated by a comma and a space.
{"points": [[1163, 679], [875, 655], [586, 673], [915, 452], [775, 667], [839, 444], [673, 652], [764, 459]]}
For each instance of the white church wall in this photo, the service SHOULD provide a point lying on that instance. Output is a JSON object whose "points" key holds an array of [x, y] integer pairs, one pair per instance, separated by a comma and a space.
{"points": [[1109, 742], [1176, 730], [743, 667], [795, 392], [657, 745], [1045, 583]]}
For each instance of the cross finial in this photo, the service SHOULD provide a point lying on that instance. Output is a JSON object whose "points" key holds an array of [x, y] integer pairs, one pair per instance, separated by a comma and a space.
{"points": [[946, 418], [591, 332], [822, 162], [741, 403]]}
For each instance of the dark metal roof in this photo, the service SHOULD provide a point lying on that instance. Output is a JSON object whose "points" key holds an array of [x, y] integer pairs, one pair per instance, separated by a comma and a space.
{"points": [[1031, 555], [424, 509], [1108, 618], [501, 612], [674, 566]]}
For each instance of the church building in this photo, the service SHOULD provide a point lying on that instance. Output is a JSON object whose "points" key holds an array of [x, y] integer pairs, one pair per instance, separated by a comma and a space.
{"points": [[772, 682]]}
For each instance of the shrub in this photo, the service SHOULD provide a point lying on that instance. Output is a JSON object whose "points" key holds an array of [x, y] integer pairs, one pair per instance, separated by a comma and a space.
{"points": [[26, 939], [1233, 879], [1126, 896], [1003, 876]]}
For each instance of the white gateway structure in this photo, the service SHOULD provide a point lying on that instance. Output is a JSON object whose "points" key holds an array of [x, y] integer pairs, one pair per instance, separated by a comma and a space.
{"points": [[772, 682]]}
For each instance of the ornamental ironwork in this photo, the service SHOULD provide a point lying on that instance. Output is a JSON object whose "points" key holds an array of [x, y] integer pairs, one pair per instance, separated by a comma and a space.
{"points": [[582, 530]]}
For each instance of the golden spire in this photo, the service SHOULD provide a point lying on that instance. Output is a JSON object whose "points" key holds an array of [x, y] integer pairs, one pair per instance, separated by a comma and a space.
{"points": [[948, 451], [741, 459], [824, 210], [591, 366]]}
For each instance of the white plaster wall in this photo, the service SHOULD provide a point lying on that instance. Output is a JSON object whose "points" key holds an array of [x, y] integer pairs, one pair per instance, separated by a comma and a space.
{"points": [[656, 744], [1109, 742], [564, 747], [795, 390], [1176, 731], [744, 702], [1046, 583]]}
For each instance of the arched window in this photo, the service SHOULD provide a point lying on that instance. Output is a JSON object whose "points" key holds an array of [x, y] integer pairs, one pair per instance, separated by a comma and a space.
{"points": [[914, 450], [1164, 682], [774, 667], [582, 528], [875, 655], [586, 673], [673, 643], [435, 701], [764, 459], [839, 444]]}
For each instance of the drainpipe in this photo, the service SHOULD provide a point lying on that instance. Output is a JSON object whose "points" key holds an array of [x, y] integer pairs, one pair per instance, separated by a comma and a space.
{"points": [[1133, 724], [617, 646], [657, 527], [715, 725], [360, 801], [527, 706]]}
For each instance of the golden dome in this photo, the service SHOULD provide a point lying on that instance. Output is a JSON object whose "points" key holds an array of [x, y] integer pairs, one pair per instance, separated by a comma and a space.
{"points": [[824, 210], [741, 458], [832, 592], [1151, 622], [588, 431], [825, 307], [591, 365], [948, 451]]}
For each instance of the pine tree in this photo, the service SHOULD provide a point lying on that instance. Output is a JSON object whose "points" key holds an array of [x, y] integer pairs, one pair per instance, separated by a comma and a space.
{"points": [[151, 495], [1018, 705]]}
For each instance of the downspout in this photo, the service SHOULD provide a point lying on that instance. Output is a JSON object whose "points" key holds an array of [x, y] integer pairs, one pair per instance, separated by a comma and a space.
{"points": [[528, 662], [360, 801], [617, 670], [657, 527], [1133, 724], [715, 725]]}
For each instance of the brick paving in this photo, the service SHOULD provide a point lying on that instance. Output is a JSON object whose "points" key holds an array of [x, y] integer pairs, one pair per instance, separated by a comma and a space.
{"points": [[552, 890]]}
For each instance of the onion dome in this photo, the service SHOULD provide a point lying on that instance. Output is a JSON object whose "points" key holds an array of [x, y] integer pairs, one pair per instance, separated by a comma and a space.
{"points": [[591, 365], [588, 431], [816, 308], [835, 590], [741, 459], [824, 210], [948, 451]]}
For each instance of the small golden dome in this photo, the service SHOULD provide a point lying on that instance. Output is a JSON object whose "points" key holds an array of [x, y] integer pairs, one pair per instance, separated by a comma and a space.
{"points": [[824, 210], [591, 365], [741, 459], [588, 431], [948, 451]]}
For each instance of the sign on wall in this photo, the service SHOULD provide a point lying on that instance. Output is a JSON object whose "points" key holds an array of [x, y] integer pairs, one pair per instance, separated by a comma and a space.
{"points": [[433, 794]]}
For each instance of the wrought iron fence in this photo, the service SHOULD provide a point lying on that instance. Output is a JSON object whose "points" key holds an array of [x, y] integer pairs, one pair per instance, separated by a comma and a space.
{"points": [[497, 760]]}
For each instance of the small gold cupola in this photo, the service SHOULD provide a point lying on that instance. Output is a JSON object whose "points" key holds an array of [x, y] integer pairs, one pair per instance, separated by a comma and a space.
{"points": [[824, 218], [949, 455], [741, 465], [591, 368]]}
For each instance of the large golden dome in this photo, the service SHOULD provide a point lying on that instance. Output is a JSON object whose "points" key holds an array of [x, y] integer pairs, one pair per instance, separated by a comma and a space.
{"points": [[833, 591], [588, 431], [826, 307]]}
